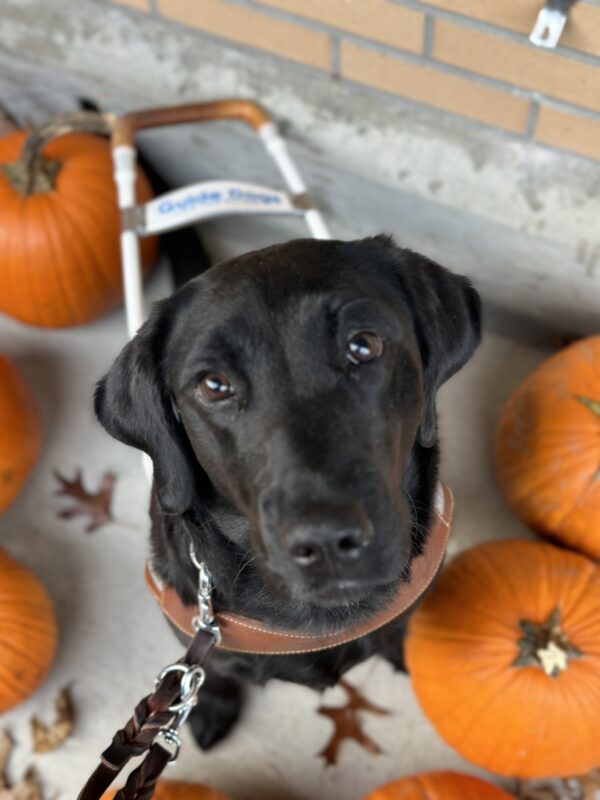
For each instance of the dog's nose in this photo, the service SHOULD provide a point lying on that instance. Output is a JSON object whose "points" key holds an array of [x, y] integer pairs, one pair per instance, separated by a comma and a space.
{"points": [[312, 545]]}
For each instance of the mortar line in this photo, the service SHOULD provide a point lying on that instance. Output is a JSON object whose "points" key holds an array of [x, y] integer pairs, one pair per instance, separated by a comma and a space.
{"points": [[428, 34], [532, 118], [335, 57]]}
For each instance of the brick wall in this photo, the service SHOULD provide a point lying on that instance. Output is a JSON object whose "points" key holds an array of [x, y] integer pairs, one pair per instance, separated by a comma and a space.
{"points": [[466, 57]]}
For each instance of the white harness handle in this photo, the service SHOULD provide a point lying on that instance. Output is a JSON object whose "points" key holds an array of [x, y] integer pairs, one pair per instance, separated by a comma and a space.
{"points": [[200, 201]]}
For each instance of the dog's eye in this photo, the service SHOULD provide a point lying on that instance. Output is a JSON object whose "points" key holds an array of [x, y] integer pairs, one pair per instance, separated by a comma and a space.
{"points": [[363, 347], [214, 387]]}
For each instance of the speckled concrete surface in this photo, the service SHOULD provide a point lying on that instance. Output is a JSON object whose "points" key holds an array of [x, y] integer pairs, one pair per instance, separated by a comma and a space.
{"points": [[113, 638]]}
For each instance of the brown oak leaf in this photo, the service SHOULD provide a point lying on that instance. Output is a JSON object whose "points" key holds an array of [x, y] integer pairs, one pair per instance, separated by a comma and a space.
{"points": [[48, 737], [347, 724], [27, 788], [97, 506]]}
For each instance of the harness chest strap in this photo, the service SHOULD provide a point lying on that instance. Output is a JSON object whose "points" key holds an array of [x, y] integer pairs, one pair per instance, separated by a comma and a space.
{"points": [[245, 635]]}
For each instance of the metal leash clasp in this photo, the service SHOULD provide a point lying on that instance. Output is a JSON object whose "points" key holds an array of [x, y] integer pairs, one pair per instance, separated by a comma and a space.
{"points": [[191, 681], [193, 676], [206, 616]]}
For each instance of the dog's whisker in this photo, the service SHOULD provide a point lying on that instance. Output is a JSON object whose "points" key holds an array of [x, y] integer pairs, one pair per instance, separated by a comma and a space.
{"points": [[412, 502], [245, 564], [416, 506]]}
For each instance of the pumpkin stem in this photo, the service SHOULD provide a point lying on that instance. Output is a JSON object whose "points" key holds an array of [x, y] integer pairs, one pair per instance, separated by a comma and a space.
{"points": [[593, 405], [545, 645], [35, 173]]}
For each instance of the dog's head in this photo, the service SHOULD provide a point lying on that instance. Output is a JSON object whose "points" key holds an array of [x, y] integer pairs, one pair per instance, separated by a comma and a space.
{"points": [[296, 382]]}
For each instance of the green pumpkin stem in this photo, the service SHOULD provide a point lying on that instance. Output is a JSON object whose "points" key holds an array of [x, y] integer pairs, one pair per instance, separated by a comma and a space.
{"points": [[593, 405], [33, 172], [545, 645]]}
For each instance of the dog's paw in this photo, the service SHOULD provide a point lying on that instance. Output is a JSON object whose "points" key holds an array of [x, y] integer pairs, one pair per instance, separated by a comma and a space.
{"points": [[216, 713]]}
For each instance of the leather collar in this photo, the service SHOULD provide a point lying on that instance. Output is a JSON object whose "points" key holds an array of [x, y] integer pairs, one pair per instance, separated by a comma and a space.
{"points": [[245, 635]]}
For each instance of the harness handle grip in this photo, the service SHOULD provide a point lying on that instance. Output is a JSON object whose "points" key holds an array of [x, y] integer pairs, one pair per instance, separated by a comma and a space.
{"points": [[246, 111]]}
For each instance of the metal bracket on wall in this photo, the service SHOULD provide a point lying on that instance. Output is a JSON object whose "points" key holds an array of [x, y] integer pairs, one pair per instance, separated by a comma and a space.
{"points": [[550, 23]]}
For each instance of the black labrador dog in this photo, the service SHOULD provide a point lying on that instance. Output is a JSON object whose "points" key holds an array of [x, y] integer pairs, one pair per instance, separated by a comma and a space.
{"points": [[287, 399]]}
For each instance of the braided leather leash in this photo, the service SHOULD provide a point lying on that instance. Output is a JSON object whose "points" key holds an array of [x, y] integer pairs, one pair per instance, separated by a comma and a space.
{"points": [[153, 728], [158, 717]]}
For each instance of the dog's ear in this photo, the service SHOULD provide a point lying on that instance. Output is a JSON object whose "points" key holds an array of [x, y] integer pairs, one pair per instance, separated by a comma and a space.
{"points": [[446, 311], [134, 403]]}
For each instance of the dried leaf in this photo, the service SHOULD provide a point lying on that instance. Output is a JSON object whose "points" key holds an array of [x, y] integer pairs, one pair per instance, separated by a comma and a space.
{"points": [[27, 788], [583, 787], [96, 506], [347, 723], [48, 737], [542, 790], [6, 746], [590, 785]]}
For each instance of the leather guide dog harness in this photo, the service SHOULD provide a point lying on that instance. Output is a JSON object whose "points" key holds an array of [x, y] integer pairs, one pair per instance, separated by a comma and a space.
{"points": [[153, 730], [245, 635]]}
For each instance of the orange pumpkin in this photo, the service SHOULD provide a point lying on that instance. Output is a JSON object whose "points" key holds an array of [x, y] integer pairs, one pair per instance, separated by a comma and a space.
{"points": [[20, 432], [179, 790], [504, 656], [28, 632], [59, 228], [438, 786], [548, 448]]}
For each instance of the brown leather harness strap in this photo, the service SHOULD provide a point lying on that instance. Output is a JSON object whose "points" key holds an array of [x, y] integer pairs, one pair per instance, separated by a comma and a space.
{"points": [[245, 635]]}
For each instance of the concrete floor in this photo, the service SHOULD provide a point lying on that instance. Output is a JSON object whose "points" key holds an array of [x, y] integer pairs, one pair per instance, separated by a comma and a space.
{"points": [[113, 637]]}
